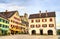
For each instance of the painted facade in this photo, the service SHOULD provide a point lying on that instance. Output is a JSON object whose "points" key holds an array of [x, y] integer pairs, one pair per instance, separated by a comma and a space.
{"points": [[15, 23], [42, 23], [24, 21], [4, 26]]}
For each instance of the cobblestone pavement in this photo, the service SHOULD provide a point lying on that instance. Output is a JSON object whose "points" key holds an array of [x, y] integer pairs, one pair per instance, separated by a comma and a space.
{"points": [[29, 37]]}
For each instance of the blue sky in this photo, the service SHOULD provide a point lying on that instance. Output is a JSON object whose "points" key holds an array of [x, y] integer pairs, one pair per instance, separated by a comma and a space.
{"points": [[32, 6]]}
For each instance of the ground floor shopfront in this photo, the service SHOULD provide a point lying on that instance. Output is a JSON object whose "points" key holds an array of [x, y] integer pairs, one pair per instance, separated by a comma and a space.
{"points": [[4, 31], [42, 31], [15, 31]]}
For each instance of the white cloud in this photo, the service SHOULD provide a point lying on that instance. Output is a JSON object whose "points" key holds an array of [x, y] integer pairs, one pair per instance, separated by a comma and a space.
{"points": [[10, 7]]}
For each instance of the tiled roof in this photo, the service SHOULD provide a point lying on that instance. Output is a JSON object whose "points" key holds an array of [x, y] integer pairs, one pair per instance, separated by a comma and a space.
{"points": [[7, 14], [43, 15], [2, 16]]}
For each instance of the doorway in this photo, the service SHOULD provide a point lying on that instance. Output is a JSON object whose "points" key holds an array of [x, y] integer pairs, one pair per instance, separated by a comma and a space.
{"points": [[33, 32], [41, 32], [50, 32]]}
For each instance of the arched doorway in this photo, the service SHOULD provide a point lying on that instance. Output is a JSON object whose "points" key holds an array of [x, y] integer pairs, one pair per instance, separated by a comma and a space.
{"points": [[50, 32], [41, 32], [33, 32]]}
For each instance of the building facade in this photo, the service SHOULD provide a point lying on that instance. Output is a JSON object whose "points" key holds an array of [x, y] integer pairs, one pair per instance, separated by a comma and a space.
{"points": [[4, 26], [14, 21], [42, 23], [24, 22]]}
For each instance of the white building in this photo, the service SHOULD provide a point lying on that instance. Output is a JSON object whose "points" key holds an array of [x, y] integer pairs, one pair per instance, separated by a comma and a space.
{"points": [[42, 23]]}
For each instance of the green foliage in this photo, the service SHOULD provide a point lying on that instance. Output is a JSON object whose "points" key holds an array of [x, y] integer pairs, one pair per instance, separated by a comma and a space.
{"points": [[58, 32]]}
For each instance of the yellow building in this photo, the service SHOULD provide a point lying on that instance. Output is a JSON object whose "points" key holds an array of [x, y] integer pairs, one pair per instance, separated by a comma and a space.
{"points": [[14, 21]]}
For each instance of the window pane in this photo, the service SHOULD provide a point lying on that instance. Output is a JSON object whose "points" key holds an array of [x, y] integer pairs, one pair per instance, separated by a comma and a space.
{"points": [[38, 26], [0, 25], [44, 25], [50, 19], [32, 26], [51, 25], [32, 21], [0, 19], [3, 20], [37, 20]]}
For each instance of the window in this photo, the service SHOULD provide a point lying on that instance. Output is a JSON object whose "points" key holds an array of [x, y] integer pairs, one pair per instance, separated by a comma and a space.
{"points": [[0, 25], [11, 26], [6, 26], [44, 20], [6, 21], [11, 20], [50, 19], [38, 26], [3, 26], [32, 26], [16, 27], [3, 20], [32, 21], [16, 18], [51, 25], [0, 19], [37, 20], [44, 25]]}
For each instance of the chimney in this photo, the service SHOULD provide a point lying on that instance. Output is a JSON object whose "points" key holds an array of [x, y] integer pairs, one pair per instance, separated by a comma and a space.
{"points": [[46, 12], [6, 12], [40, 13]]}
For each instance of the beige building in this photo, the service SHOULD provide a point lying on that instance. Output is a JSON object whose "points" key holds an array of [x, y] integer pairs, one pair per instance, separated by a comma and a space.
{"points": [[24, 22], [42, 23]]}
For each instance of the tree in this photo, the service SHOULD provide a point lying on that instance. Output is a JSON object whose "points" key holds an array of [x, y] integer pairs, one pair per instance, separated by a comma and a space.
{"points": [[58, 32]]}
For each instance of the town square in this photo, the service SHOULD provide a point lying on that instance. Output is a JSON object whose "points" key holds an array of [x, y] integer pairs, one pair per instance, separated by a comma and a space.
{"points": [[29, 19]]}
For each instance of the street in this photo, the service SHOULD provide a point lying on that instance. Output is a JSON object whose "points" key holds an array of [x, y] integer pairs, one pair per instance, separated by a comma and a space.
{"points": [[29, 37]]}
